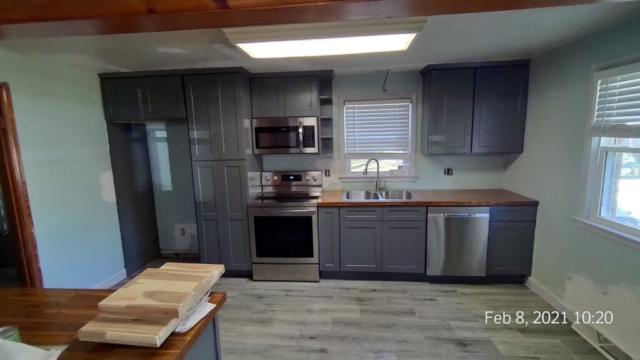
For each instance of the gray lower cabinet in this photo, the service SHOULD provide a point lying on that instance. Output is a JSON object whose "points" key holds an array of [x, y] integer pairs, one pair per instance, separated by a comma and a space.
{"points": [[361, 246], [510, 250], [215, 106], [404, 246], [221, 198], [329, 238]]}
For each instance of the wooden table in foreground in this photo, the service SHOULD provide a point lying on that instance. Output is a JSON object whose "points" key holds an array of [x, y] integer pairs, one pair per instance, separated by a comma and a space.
{"points": [[53, 317]]}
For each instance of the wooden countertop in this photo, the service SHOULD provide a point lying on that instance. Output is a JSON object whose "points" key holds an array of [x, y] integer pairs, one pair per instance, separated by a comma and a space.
{"points": [[53, 317], [436, 198]]}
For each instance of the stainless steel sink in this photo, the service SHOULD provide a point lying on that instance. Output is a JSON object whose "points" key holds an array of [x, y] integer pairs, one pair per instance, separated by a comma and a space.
{"points": [[361, 195], [396, 195], [383, 195]]}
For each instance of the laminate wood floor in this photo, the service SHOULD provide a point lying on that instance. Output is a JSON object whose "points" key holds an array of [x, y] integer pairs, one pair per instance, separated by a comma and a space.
{"points": [[376, 320]]}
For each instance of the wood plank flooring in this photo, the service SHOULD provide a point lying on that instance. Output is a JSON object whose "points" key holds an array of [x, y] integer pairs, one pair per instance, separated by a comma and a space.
{"points": [[374, 320]]}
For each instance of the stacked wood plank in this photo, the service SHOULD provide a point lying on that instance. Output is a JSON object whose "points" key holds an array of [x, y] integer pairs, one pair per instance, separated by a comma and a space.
{"points": [[147, 309]]}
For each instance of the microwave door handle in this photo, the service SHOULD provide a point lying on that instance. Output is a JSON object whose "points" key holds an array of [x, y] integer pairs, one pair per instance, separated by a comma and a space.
{"points": [[300, 136]]}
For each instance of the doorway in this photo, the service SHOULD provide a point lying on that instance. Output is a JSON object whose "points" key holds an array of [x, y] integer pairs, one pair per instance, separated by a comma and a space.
{"points": [[19, 264]]}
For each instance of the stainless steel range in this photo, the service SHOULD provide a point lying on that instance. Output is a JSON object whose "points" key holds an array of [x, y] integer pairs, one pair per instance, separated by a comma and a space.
{"points": [[283, 225]]}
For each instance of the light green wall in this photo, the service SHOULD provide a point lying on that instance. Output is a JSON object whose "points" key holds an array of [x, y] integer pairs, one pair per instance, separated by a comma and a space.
{"points": [[65, 156], [551, 166], [477, 171]]}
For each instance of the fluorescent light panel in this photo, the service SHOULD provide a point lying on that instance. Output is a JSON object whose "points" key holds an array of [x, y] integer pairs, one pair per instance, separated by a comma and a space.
{"points": [[329, 46]]}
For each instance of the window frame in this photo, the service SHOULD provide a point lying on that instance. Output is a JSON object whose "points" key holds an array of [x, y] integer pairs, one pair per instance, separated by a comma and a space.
{"points": [[345, 174], [594, 163]]}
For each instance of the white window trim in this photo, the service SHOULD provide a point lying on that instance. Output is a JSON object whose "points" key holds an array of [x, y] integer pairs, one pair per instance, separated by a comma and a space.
{"points": [[592, 175], [370, 177]]}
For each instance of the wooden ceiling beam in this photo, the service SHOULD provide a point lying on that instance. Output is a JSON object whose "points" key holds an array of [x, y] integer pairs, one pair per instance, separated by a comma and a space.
{"points": [[21, 19]]}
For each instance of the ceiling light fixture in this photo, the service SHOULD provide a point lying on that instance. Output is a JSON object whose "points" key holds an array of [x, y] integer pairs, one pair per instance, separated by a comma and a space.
{"points": [[328, 47], [326, 39]]}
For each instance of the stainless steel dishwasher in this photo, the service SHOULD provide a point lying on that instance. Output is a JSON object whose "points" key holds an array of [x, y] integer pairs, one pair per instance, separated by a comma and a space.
{"points": [[457, 241]]}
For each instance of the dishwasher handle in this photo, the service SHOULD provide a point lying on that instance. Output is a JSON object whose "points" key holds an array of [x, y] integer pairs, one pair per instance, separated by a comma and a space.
{"points": [[459, 215]]}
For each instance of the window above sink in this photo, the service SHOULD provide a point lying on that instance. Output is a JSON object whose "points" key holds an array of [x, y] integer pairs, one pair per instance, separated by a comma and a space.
{"points": [[381, 127]]}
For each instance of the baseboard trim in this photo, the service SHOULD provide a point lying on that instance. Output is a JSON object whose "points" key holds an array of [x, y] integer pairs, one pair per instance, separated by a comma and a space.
{"points": [[561, 306], [111, 281]]}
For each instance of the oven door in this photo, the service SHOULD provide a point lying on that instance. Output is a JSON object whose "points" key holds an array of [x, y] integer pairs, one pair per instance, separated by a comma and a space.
{"points": [[285, 136], [284, 235]]}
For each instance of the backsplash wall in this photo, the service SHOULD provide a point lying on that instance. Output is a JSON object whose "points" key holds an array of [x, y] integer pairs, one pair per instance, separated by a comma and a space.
{"points": [[469, 171]]}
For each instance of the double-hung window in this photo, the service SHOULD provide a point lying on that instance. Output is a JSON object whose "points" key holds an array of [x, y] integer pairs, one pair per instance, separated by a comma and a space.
{"points": [[613, 195], [381, 129]]}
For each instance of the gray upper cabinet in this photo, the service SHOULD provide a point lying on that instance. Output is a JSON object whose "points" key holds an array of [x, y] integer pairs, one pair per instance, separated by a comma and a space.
{"points": [[510, 249], [122, 99], [301, 96], [143, 98], [221, 197], [214, 116], [285, 97], [500, 109], [165, 99], [361, 246], [267, 97], [329, 238], [474, 108], [404, 246], [448, 111]]}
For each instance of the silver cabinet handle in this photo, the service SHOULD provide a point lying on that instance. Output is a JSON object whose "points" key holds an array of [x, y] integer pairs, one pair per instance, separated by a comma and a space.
{"points": [[300, 136]]}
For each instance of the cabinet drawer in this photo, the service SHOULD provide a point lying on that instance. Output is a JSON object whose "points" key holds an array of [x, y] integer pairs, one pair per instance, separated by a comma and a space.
{"points": [[361, 213], [513, 213], [405, 213]]}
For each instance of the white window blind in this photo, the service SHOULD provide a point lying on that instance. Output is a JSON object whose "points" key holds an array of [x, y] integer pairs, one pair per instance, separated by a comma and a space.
{"points": [[380, 127], [617, 104]]}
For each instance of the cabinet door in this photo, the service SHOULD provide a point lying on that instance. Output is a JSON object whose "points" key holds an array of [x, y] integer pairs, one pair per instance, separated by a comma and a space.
{"points": [[500, 109], [123, 99], [221, 200], [404, 246], [203, 112], [207, 211], [449, 111], [229, 134], [510, 248], [164, 97], [329, 238], [231, 185], [267, 97], [301, 96], [361, 246], [135, 199]]}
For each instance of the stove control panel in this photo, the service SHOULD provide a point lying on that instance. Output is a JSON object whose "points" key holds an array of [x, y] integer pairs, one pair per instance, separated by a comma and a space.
{"points": [[309, 178]]}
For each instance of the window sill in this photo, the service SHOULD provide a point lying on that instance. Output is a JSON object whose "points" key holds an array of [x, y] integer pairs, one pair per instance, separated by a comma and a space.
{"points": [[609, 233], [353, 179]]}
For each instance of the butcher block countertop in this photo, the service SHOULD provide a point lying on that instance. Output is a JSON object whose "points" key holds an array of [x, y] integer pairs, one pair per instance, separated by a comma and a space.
{"points": [[436, 198], [52, 317]]}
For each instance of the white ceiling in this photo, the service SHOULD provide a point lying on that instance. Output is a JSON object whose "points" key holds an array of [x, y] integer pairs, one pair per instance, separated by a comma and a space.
{"points": [[451, 38]]}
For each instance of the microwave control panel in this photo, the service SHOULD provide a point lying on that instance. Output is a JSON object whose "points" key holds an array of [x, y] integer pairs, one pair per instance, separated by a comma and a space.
{"points": [[308, 137]]}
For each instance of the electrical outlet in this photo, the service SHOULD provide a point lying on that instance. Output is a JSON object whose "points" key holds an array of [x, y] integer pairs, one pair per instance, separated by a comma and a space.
{"points": [[448, 171]]}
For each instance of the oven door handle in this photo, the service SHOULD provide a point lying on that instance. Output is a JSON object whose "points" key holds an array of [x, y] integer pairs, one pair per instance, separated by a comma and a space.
{"points": [[300, 136], [285, 212]]}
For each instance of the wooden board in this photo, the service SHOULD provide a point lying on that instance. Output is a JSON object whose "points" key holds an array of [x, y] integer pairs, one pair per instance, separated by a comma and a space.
{"points": [[168, 292], [128, 331], [146, 310]]}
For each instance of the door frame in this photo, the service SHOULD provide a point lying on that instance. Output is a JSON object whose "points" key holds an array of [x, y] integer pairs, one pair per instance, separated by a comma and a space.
{"points": [[16, 197]]}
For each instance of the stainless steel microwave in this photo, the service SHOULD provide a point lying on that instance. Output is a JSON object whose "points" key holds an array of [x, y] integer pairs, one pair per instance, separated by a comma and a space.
{"points": [[285, 135]]}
